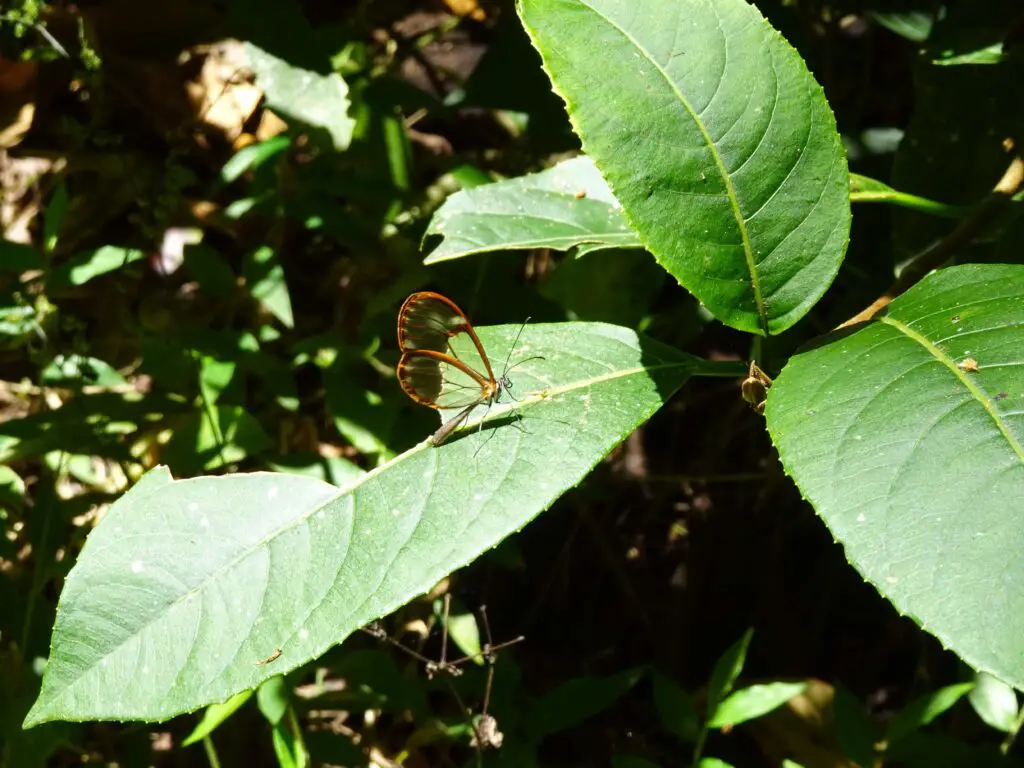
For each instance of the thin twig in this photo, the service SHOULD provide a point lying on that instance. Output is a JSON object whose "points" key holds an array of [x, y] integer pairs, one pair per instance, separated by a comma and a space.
{"points": [[487, 651], [489, 657], [375, 631], [444, 628], [485, 731], [938, 253], [11, 18]]}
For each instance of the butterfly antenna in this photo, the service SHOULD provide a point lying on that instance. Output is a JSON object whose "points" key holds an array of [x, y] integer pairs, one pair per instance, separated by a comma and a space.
{"points": [[524, 360], [513, 347]]}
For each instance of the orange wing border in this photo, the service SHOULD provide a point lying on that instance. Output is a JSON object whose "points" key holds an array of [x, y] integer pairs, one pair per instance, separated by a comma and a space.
{"points": [[466, 327]]}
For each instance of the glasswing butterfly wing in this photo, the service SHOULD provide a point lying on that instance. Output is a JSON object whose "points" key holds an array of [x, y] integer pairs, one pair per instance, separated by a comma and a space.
{"points": [[431, 372]]}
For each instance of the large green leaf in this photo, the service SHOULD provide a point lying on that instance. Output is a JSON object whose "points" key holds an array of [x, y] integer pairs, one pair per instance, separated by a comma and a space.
{"points": [[906, 436], [186, 585], [716, 140], [563, 207]]}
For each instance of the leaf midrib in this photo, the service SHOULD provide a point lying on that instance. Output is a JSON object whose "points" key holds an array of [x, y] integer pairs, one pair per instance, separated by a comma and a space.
{"points": [[350, 490], [748, 251], [976, 391]]}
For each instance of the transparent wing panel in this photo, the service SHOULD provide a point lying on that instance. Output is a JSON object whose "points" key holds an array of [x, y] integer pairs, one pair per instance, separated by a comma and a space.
{"points": [[439, 384]]}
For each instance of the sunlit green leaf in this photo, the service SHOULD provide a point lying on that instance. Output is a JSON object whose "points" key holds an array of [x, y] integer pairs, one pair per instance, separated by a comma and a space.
{"points": [[91, 423], [995, 702], [753, 701], [265, 277], [991, 54], [214, 437], [715, 139], [253, 156], [287, 748], [185, 585], [83, 267], [726, 670], [12, 490], [906, 435], [214, 377], [462, 630], [361, 415], [913, 25], [214, 715], [559, 208], [924, 709], [272, 698], [79, 371], [317, 101], [867, 190], [53, 217]]}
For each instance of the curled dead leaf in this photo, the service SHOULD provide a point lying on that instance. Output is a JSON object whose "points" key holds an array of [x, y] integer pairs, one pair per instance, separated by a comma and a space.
{"points": [[223, 94]]}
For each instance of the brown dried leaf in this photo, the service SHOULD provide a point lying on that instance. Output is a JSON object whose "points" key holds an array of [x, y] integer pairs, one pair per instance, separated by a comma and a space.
{"points": [[223, 95], [20, 193]]}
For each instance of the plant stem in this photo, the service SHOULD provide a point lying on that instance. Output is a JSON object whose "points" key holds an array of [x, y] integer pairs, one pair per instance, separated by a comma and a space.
{"points": [[11, 18], [907, 200], [211, 752], [935, 255], [699, 746], [1012, 735]]}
